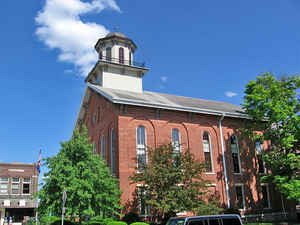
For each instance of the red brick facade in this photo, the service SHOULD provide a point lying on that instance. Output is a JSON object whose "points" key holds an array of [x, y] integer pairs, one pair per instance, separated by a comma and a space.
{"points": [[18, 183], [102, 116]]}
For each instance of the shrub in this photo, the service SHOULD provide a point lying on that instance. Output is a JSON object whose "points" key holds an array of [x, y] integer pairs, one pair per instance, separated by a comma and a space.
{"points": [[95, 223], [97, 218], [49, 219], [66, 222], [107, 220], [117, 223], [139, 223], [131, 217]]}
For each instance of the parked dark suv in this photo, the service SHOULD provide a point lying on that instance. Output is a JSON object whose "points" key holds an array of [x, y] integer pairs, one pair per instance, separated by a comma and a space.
{"points": [[230, 219]]}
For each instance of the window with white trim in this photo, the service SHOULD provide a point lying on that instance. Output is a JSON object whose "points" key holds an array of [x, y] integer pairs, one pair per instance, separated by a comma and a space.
{"points": [[121, 55], [143, 207], [113, 151], [265, 196], [130, 58], [240, 196], [94, 148], [235, 154], [26, 185], [176, 140], [207, 152], [3, 185], [259, 153], [100, 55], [102, 147], [141, 147], [108, 53], [15, 185]]}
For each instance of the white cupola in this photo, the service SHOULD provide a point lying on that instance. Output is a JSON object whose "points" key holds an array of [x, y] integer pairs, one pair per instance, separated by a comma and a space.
{"points": [[116, 68]]}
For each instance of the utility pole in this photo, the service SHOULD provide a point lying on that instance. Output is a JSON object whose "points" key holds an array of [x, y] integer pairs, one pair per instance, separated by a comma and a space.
{"points": [[64, 198]]}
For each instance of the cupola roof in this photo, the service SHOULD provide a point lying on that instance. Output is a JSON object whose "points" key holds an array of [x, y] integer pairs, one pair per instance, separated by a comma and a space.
{"points": [[115, 34], [115, 37]]}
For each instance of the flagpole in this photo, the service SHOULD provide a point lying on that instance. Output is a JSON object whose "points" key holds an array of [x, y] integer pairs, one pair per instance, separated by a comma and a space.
{"points": [[38, 168], [64, 198]]}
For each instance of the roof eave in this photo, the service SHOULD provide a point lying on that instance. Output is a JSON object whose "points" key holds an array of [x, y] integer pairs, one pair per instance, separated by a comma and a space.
{"points": [[176, 108]]}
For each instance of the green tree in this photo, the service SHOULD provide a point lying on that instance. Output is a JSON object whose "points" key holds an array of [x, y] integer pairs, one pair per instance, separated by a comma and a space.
{"points": [[274, 108], [90, 187], [173, 182]]}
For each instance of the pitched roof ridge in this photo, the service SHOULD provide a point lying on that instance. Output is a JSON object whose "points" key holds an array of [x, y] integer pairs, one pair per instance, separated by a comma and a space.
{"points": [[194, 98]]}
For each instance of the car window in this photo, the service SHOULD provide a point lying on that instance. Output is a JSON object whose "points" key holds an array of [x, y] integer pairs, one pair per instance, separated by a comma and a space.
{"points": [[231, 221], [196, 222], [213, 221], [175, 222]]}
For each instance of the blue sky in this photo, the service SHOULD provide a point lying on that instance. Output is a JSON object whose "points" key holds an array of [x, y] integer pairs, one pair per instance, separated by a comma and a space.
{"points": [[201, 49]]}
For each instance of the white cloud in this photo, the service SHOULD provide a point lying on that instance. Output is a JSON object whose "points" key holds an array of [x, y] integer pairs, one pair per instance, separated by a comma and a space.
{"points": [[68, 71], [164, 79], [230, 94], [60, 27]]}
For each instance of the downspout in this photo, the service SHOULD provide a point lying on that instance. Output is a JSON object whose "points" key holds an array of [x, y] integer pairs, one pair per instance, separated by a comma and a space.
{"points": [[224, 160]]}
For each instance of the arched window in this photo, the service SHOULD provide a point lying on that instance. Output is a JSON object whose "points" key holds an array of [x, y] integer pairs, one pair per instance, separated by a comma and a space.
{"points": [[130, 57], [260, 162], [102, 150], [100, 55], [235, 153], [141, 147], [113, 151], [207, 152], [108, 53], [121, 55], [94, 148], [176, 140]]}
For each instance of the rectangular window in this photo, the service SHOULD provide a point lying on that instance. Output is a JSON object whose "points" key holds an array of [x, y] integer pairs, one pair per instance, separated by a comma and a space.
{"points": [[3, 185], [15, 180], [26, 185], [207, 152], [4, 179], [265, 196], [240, 196], [26, 180], [176, 140], [103, 147], [3, 188], [15, 187], [26, 188], [113, 151], [141, 148], [94, 148], [235, 154], [260, 162], [144, 208]]}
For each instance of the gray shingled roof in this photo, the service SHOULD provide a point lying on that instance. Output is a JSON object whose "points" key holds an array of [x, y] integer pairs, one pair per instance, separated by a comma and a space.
{"points": [[167, 101]]}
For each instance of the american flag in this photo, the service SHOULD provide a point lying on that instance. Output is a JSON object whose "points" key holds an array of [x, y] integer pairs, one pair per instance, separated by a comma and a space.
{"points": [[38, 166]]}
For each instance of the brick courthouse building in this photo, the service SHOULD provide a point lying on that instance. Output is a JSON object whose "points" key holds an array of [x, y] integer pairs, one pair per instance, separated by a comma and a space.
{"points": [[123, 119]]}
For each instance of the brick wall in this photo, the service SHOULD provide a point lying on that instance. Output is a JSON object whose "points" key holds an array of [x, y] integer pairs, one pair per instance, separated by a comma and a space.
{"points": [[21, 171], [159, 124]]}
